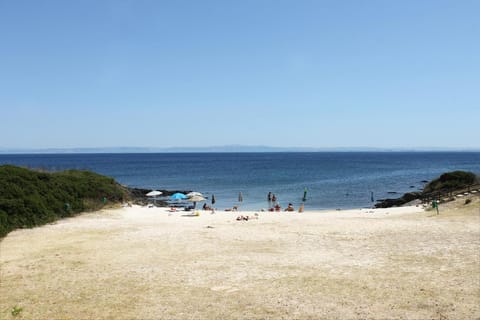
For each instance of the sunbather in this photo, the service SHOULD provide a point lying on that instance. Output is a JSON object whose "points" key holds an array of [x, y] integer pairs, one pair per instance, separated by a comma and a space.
{"points": [[246, 218]]}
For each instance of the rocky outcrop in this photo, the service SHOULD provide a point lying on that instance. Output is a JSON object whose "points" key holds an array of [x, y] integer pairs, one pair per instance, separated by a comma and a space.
{"points": [[443, 187], [406, 198]]}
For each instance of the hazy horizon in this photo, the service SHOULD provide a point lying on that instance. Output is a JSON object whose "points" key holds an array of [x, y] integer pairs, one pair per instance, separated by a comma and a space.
{"points": [[226, 149]]}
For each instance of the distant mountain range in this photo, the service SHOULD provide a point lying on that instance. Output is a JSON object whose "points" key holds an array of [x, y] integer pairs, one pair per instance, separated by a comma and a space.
{"points": [[228, 148]]}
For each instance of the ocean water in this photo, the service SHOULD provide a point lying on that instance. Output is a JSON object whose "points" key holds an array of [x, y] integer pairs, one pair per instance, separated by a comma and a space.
{"points": [[333, 179]]}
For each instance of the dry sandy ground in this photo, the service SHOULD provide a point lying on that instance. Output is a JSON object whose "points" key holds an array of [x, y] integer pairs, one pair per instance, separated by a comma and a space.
{"points": [[142, 263]]}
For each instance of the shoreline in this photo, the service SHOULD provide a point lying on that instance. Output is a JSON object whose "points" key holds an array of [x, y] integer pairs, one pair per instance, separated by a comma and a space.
{"points": [[331, 183], [139, 262]]}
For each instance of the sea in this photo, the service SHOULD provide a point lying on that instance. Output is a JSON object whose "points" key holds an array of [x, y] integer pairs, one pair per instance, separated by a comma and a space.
{"points": [[331, 180]]}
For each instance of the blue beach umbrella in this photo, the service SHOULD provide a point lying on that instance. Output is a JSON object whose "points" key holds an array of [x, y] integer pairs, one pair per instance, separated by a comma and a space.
{"points": [[178, 196]]}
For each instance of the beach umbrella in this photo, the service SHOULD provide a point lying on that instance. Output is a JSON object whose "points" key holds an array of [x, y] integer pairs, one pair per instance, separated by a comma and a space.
{"points": [[153, 193], [196, 199], [178, 196], [192, 194], [213, 199]]}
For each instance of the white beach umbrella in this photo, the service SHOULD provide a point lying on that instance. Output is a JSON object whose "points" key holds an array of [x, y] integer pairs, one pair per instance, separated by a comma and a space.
{"points": [[194, 194], [196, 199], [153, 193]]}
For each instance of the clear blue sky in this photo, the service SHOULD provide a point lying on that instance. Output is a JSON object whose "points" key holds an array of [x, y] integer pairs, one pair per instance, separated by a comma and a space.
{"points": [[253, 72]]}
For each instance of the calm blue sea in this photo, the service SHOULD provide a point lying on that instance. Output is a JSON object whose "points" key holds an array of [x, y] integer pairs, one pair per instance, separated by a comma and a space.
{"points": [[333, 179]]}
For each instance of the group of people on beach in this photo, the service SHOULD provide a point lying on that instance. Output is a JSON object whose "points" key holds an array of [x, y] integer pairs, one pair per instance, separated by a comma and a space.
{"points": [[275, 206], [207, 207], [278, 208]]}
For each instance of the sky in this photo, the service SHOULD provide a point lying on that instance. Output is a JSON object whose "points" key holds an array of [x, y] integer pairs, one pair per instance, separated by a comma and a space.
{"points": [[283, 73]]}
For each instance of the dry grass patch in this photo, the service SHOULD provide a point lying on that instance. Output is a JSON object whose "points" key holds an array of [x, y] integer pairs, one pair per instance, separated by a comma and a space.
{"points": [[134, 264]]}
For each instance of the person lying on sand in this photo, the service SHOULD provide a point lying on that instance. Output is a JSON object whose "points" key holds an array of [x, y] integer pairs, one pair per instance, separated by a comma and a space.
{"points": [[276, 208], [246, 218]]}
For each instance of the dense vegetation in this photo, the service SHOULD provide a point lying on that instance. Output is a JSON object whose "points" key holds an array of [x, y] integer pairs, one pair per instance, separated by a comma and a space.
{"points": [[31, 198], [451, 181]]}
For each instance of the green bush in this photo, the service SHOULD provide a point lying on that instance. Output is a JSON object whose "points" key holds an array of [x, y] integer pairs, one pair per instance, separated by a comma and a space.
{"points": [[29, 198]]}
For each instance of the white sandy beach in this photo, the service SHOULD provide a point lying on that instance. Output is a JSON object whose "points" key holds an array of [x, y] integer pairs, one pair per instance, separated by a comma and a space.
{"points": [[146, 263]]}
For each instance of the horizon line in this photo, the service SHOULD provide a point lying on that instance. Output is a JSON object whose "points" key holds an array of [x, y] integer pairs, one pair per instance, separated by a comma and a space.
{"points": [[229, 149]]}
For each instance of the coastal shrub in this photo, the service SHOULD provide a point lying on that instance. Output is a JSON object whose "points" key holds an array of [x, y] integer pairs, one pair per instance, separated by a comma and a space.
{"points": [[30, 198], [16, 311], [3, 222], [450, 181]]}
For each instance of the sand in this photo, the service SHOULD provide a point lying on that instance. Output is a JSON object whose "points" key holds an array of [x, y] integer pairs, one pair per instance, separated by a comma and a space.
{"points": [[145, 263]]}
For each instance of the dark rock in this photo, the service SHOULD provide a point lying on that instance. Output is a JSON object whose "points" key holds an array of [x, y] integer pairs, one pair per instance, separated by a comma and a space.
{"points": [[407, 197], [452, 180], [444, 186]]}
